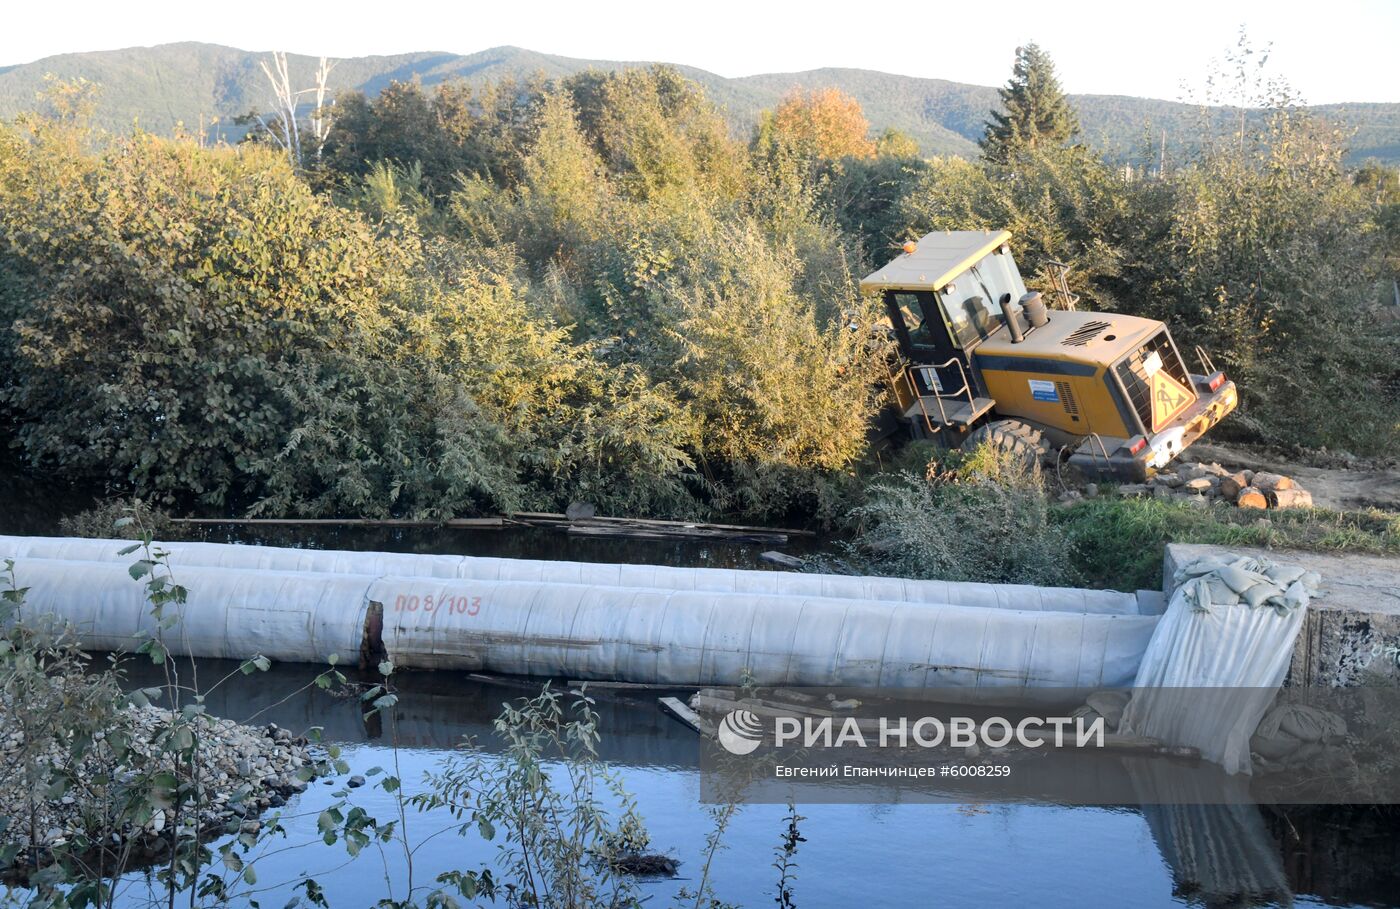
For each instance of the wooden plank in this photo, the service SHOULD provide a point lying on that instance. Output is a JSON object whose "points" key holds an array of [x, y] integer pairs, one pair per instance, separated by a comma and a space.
{"points": [[676, 533], [678, 709], [508, 681], [580, 683], [553, 518]]}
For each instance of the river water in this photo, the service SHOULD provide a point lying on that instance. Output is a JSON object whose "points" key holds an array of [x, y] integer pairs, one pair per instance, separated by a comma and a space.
{"points": [[853, 855], [884, 855]]}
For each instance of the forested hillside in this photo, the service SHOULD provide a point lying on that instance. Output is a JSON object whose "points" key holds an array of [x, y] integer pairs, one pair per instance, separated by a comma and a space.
{"points": [[191, 83]]}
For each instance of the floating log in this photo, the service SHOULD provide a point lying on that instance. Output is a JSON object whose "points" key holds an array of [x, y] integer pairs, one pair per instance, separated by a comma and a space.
{"points": [[761, 706], [781, 558], [549, 518], [643, 532], [621, 686], [472, 523]]}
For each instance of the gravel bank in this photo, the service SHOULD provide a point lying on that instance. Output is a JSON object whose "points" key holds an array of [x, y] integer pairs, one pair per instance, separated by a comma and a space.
{"points": [[244, 770]]}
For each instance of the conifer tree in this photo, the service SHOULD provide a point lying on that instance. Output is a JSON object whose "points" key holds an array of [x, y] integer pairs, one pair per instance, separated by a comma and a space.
{"points": [[1035, 112]]}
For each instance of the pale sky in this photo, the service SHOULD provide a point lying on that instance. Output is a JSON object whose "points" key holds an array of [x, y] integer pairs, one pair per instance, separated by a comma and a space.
{"points": [[1340, 50]]}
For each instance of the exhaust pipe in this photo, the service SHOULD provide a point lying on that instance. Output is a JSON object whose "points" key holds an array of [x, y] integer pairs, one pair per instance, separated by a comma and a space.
{"points": [[1009, 317]]}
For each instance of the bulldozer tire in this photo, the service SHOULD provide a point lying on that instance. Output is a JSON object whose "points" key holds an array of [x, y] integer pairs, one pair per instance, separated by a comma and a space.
{"points": [[1018, 439]]}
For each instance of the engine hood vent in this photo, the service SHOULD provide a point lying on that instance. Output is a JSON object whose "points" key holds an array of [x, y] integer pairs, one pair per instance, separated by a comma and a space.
{"points": [[1085, 333]]}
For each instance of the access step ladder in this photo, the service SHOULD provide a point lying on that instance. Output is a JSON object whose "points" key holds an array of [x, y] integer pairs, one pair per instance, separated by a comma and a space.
{"points": [[952, 413]]}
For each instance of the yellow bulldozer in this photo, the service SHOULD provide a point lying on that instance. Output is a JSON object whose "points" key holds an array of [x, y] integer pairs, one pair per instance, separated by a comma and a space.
{"points": [[981, 359]]}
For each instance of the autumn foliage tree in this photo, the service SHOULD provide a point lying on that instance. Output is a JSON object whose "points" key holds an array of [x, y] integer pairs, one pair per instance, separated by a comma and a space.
{"points": [[827, 123]]}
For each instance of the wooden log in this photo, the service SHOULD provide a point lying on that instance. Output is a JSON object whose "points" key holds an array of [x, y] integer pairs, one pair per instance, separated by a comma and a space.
{"points": [[790, 696], [1290, 498], [781, 558], [1251, 497], [464, 523], [631, 532], [682, 712], [762, 706], [1115, 741], [1230, 486], [1269, 482], [507, 681], [621, 686], [545, 517]]}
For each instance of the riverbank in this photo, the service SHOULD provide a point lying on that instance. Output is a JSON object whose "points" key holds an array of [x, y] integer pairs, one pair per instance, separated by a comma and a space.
{"points": [[89, 803]]}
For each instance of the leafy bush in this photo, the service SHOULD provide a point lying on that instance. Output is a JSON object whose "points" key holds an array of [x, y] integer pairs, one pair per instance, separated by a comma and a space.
{"points": [[197, 324], [107, 520], [977, 517]]}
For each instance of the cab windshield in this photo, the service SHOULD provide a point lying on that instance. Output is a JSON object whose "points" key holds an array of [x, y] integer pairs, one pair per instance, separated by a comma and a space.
{"points": [[972, 302]]}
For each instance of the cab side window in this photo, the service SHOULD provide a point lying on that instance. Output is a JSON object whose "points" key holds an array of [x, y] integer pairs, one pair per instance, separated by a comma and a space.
{"points": [[921, 334]]}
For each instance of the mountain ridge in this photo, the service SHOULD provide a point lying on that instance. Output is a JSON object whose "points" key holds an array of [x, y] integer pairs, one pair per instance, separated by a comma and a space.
{"points": [[191, 82]]}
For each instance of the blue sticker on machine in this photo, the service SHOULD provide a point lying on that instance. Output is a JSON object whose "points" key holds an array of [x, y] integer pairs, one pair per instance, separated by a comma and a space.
{"points": [[1042, 390]]}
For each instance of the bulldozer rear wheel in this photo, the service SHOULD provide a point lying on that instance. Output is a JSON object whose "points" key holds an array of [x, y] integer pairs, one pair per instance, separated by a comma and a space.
{"points": [[1018, 439]]}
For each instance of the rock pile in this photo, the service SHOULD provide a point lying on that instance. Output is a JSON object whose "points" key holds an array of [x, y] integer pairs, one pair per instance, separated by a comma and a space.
{"points": [[243, 770], [1202, 484]]}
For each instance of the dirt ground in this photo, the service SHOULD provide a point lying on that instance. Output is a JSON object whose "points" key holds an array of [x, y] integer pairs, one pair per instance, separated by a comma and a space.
{"points": [[1364, 484]]}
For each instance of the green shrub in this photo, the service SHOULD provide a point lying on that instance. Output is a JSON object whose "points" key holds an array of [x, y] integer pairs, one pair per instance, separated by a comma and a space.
{"points": [[978, 517], [105, 520]]}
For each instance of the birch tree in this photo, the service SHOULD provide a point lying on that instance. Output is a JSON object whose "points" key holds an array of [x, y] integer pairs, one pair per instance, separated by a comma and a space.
{"points": [[285, 129]]}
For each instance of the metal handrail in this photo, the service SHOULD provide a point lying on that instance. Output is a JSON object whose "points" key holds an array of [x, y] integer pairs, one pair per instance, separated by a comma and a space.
{"points": [[1061, 282], [1206, 362], [919, 399], [1108, 461], [938, 396]]}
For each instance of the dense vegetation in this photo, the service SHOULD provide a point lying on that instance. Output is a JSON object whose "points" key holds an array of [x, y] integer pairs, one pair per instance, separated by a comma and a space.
{"points": [[540, 291]]}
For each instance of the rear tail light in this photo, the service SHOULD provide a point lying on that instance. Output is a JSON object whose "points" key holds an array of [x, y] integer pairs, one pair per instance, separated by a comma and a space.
{"points": [[1137, 445], [1216, 380]]}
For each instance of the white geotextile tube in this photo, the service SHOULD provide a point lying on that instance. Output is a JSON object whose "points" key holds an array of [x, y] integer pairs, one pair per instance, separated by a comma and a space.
{"points": [[717, 580], [579, 631], [1226, 642], [285, 616]]}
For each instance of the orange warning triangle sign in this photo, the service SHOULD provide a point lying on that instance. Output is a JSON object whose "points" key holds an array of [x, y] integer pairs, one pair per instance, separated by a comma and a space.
{"points": [[1169, 398]]}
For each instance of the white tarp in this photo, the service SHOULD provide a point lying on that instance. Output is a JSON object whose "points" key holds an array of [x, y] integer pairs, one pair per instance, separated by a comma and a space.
{"points": [[1230, 627], [599, 632], [718, 580]]}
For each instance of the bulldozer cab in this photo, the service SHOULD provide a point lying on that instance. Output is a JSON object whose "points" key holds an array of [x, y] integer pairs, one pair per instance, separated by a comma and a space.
{"points": [[943, 298]]}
